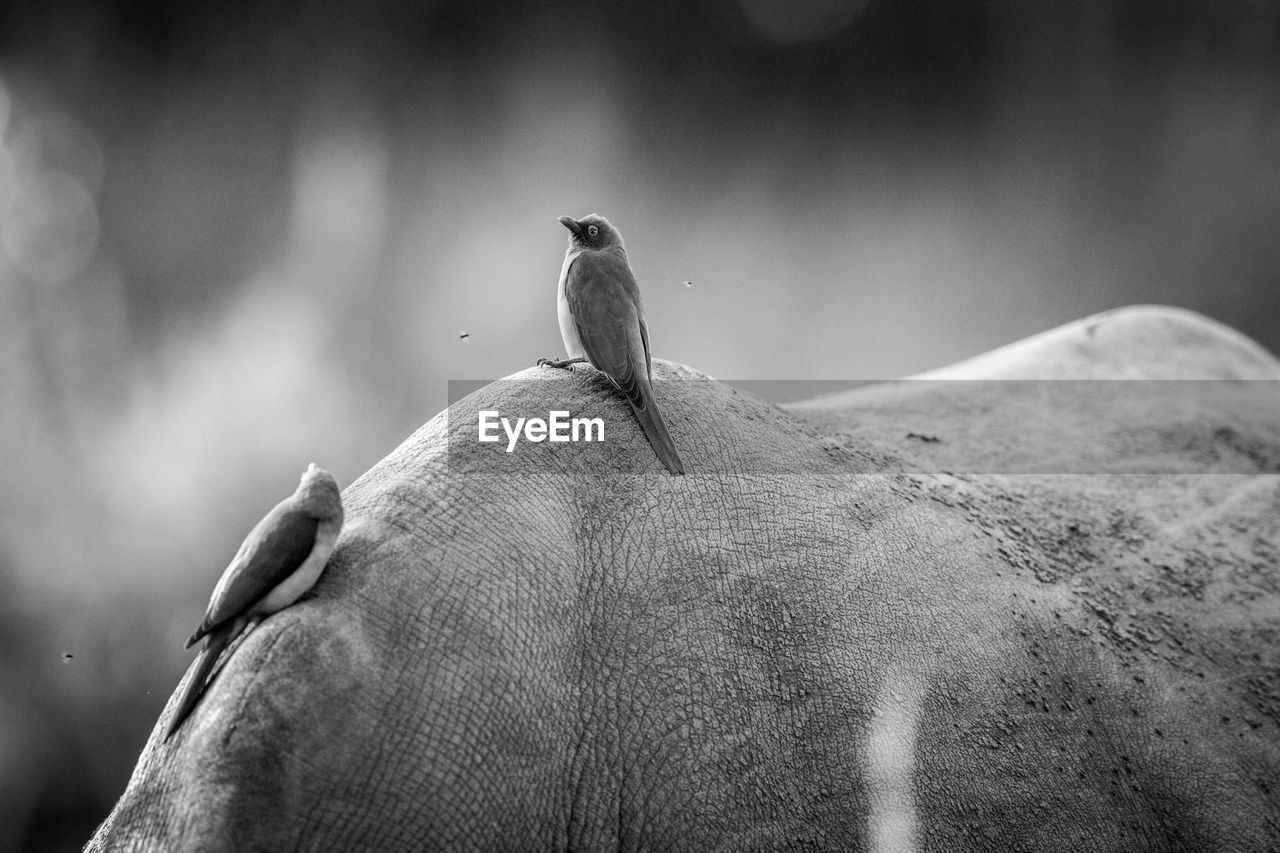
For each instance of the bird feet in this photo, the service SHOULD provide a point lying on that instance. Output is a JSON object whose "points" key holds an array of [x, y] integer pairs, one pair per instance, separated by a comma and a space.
{"points": [[563, 363]]}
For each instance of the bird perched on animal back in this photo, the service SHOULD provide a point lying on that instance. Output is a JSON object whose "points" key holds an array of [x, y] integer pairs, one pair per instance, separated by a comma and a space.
{"points": [[602, 322], [279, 560]]}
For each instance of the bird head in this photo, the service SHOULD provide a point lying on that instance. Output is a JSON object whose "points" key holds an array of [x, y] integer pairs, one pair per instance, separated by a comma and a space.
{"points": [[592, 231], [320, 494]]}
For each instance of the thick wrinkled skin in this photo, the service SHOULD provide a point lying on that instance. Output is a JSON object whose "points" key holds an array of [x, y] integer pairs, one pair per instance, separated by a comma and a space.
{"points": [[830, 635]]}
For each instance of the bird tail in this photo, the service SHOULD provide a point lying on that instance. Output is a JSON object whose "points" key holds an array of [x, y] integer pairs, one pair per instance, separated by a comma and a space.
{"points": [[195, 686], [655, 429]]}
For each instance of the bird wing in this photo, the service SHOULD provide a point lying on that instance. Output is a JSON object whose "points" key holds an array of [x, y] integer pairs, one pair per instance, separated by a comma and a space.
{"points": [[602, 294], [644, 336], [605, 303], [271, 552]]}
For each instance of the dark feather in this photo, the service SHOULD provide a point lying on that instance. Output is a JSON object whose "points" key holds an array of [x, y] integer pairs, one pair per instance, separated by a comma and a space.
{"points": [[604, 300], [196, 684]]}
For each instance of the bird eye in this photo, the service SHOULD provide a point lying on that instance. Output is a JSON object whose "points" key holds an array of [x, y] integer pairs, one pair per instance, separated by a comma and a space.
{"points": [[592, 230]]}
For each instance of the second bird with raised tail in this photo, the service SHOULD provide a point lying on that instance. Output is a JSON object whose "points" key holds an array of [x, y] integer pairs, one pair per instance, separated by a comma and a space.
{"points": [[602, 323]]}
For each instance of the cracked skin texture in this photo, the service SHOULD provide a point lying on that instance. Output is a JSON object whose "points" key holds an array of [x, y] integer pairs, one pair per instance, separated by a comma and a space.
{"points": [[827, 633]]}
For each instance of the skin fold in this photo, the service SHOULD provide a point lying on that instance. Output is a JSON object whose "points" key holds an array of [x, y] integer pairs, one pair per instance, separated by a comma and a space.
{"points": [[834, 637]]}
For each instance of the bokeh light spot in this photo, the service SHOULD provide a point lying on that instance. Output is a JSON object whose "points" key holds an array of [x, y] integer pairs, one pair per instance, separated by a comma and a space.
{"points": [[50, 230], [799, 21]]}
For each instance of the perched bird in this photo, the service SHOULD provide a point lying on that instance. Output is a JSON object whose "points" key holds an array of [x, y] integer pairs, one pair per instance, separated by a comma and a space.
{"points": [[278, 561], [602, 322]]}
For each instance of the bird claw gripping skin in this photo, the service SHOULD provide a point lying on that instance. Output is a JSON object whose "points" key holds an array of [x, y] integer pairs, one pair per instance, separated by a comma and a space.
{"points": [[277, 563], [602, 323], [561, 363]]}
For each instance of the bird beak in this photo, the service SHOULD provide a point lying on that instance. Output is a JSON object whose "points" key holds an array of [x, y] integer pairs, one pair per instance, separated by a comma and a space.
{"points": [[572, 224]]}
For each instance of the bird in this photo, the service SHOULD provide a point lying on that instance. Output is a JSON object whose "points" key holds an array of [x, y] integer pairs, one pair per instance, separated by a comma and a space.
{"points": [[279, 560], [602, 323]]}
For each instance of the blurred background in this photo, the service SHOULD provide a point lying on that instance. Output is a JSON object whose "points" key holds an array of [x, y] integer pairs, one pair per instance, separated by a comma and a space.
{"points": [[238, 237]]}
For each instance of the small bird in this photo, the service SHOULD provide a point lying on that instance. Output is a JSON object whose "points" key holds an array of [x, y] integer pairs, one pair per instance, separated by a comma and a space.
{"points": [[278, 561], [602, 322]]}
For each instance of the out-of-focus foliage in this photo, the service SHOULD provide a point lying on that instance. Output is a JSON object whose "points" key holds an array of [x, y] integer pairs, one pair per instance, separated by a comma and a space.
{"points": [[239, 237]]}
